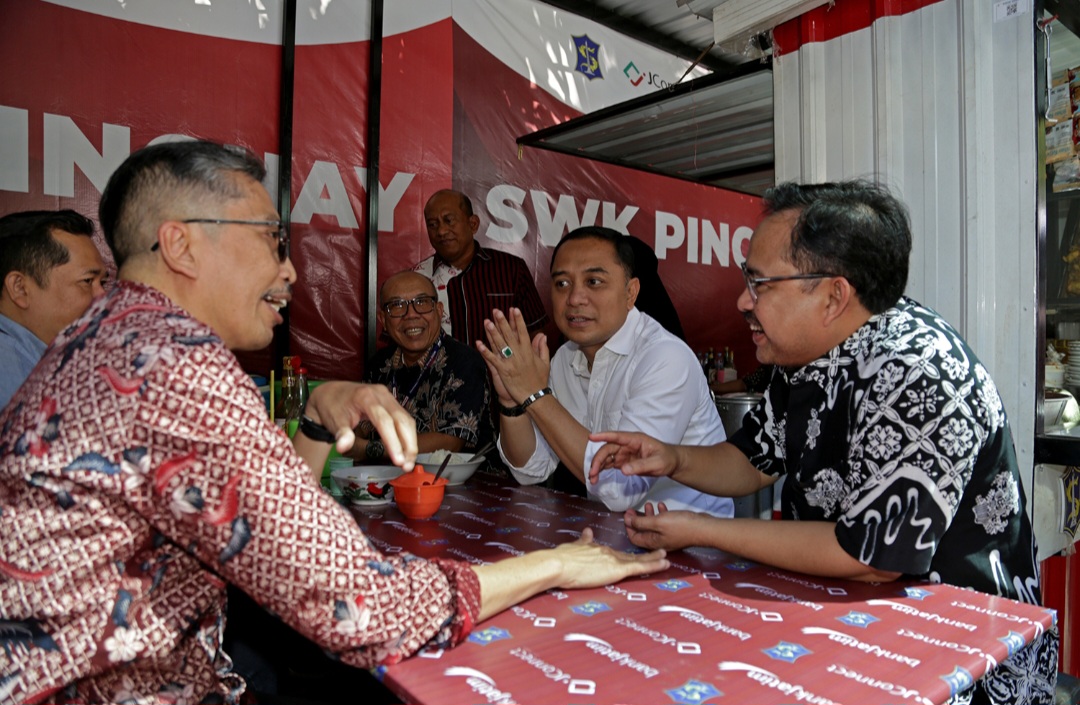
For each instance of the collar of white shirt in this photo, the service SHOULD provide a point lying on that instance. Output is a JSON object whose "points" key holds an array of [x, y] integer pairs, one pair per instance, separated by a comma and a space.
{"points": [[622, 343]]}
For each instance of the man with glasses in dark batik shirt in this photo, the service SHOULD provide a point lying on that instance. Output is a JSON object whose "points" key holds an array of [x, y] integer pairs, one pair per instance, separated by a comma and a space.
{"points": [[892, 439], [443, 383]]}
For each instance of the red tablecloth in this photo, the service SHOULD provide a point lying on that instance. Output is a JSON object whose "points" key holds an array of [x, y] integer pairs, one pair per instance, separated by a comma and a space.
{"points": [[713, 628]]}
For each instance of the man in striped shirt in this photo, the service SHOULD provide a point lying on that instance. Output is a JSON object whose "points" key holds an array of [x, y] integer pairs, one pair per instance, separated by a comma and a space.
{"points": [[471, 280]]}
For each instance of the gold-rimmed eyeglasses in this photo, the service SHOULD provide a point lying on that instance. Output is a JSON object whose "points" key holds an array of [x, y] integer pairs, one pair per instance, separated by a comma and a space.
{"points": [[752, 282]]}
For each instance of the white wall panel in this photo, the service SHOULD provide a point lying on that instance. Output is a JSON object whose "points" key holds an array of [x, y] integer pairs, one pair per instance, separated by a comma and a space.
{"points": [[939, 105]]}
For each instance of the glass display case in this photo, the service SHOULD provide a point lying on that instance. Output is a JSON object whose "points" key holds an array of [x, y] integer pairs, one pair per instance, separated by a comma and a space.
{"points": [[1058, 377]]}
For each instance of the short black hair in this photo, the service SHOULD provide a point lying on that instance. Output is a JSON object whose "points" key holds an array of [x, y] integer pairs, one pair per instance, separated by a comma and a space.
{"points": [[624, 251], [854, 229], [464, 202], [27, 244], [157, 181]]}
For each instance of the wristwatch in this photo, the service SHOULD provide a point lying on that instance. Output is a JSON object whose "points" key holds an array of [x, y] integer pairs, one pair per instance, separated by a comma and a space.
{"points": [[315, 431], [375, 450]]}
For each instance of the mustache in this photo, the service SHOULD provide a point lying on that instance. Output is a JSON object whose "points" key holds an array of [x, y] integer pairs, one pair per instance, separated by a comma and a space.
{"points": [[281, 292], [751, 319]]}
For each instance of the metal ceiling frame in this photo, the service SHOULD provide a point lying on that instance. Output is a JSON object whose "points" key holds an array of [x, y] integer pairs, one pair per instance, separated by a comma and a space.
{"points": [[657, 99]]}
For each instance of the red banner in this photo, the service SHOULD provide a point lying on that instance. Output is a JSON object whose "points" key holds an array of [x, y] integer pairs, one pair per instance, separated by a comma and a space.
{"points": [[83, 90]]}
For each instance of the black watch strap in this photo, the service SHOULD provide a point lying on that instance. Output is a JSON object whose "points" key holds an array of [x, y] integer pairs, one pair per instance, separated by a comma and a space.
{"points": [[316, 431], [511, 411], [534, 397]]}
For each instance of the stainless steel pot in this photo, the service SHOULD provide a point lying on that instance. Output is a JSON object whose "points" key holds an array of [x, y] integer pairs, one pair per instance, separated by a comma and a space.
{"points": [[733, 408]]}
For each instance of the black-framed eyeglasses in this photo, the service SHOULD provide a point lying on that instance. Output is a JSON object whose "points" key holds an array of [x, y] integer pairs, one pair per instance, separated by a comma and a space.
{"points": [[279, 233], [752, 282], [396, 308]]}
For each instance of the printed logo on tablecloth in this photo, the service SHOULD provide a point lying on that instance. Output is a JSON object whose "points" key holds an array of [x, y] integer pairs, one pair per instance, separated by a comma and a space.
{"points": [[673, 585], [771, 680], [403, 528], [479, 520], [692, 692], [590, 608], [631, 596], [617, 658], [481, 683], [878, 650], [574, 519], [434, 542], [741, 566], [787, 651], [574, 686], [959, 680], [1013, 641], [538, 508], [506, 547], [858, 619], [489, 636], [508, 530], [917, 593], [683, 647], [714, 624]]}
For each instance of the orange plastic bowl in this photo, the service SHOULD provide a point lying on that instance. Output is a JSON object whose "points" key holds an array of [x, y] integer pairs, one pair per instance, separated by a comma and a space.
{"points": [[417, 494]]}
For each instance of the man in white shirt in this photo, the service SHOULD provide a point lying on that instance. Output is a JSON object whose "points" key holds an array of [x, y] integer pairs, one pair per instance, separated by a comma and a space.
{"points": [[619, 370]]}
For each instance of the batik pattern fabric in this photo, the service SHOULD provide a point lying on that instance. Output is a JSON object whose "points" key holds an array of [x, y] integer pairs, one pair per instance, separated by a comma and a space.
{"points": [[899, 436], [452, 396], [138, 475]]}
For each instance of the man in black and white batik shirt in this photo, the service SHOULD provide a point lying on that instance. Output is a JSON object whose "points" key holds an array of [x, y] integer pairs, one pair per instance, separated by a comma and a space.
{"points": [[892, 439]]}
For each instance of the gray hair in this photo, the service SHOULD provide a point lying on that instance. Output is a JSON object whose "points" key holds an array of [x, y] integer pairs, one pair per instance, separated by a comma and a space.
{"points": [[157, 181]]}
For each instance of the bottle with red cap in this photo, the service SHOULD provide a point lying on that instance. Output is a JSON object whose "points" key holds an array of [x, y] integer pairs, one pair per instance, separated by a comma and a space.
{"points": [[301, 390]]}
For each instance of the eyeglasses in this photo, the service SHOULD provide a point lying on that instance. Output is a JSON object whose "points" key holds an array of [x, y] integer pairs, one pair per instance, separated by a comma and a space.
{"points": [[279, 233], [752, 281], [396, 308]]}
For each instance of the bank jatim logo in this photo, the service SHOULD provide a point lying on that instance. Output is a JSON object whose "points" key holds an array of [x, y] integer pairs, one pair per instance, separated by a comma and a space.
{"points": [[489, 636], [858, 619], [590, 608], [692, 691], [787, 651]]}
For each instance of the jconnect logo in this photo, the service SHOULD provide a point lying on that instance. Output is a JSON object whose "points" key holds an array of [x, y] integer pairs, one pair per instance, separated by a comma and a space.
{"points": [[636, 76]]}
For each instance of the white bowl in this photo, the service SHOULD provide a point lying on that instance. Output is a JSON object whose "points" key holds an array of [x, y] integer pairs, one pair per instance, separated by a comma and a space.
{"points": [[456, 472], [366, 485]]}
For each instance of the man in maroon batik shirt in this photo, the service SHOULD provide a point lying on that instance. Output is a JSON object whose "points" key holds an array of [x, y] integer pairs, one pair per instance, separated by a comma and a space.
{"points": [[140, 475], [471, 280]]}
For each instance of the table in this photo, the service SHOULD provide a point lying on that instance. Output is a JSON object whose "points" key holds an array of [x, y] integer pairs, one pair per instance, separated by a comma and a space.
{"points": [[713, 628]]}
